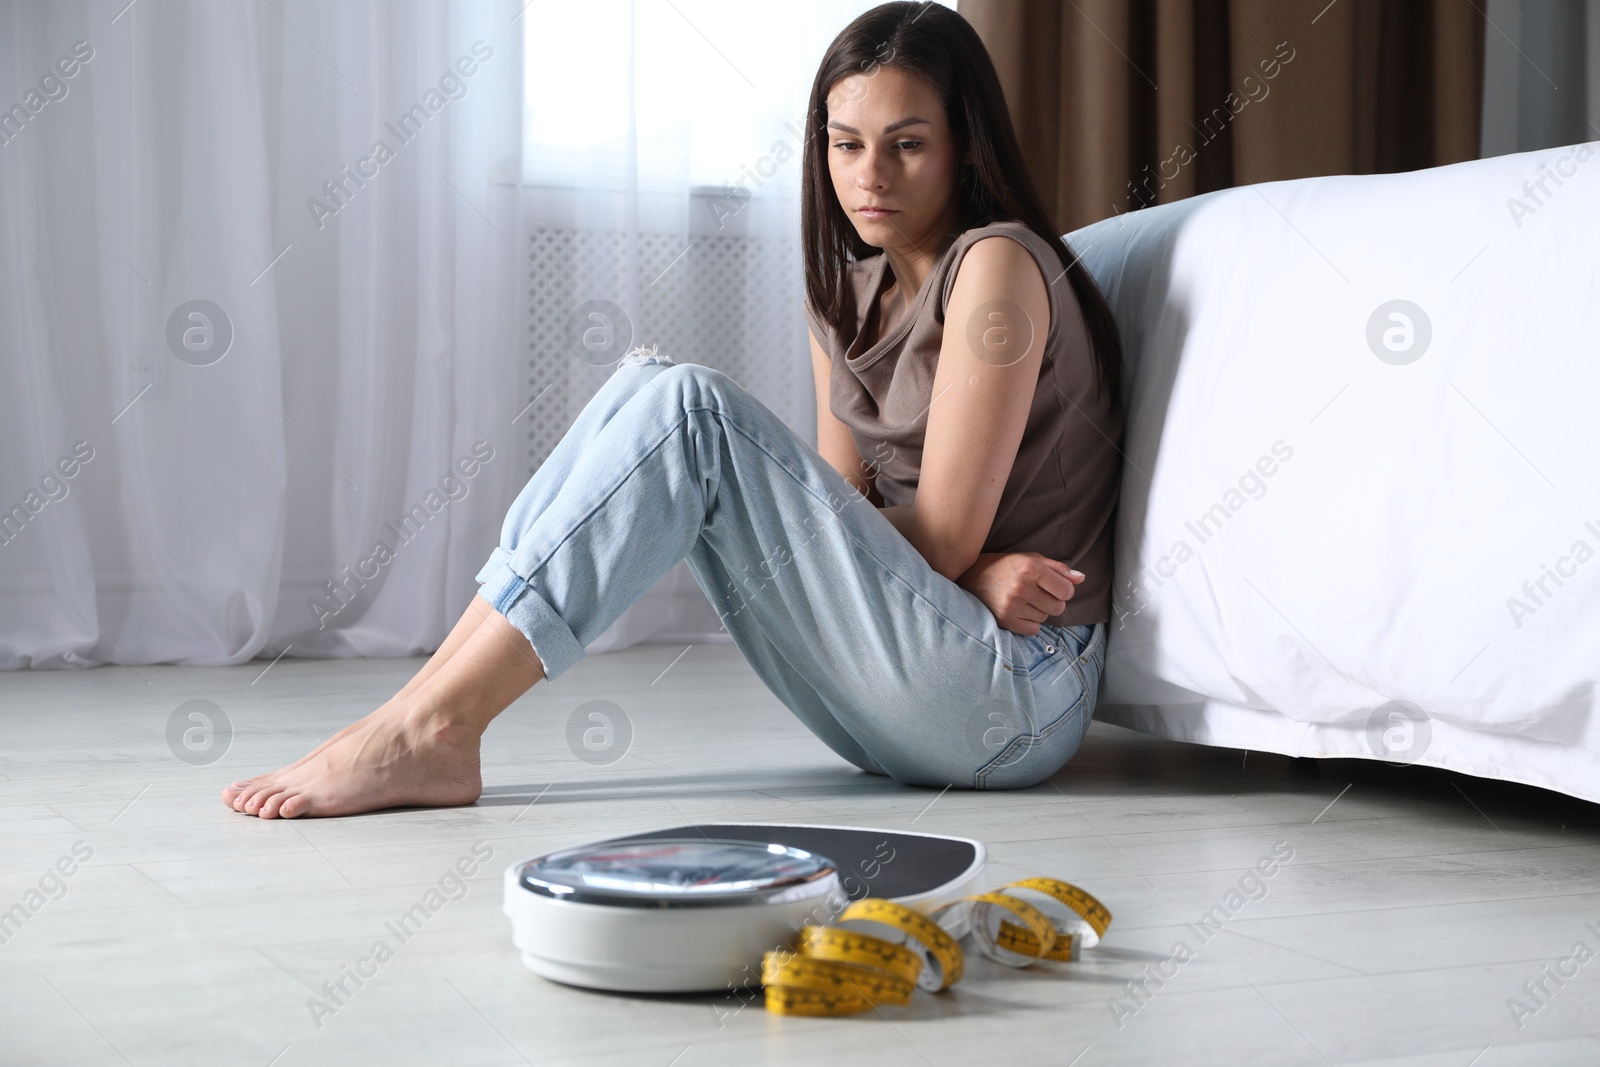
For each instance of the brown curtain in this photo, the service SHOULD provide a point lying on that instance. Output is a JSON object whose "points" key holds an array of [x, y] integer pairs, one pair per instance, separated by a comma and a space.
{"points": [[1121, 104]]}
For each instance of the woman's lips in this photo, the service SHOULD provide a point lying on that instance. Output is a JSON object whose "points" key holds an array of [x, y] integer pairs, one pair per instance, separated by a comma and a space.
{"points": [[876, 212]]}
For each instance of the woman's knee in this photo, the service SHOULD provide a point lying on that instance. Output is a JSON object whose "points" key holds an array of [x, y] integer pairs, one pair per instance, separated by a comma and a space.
{"points": [[694, 384]]}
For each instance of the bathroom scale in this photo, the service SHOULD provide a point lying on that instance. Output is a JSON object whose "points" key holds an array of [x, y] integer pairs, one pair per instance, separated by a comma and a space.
{"points": [[694, 908]]}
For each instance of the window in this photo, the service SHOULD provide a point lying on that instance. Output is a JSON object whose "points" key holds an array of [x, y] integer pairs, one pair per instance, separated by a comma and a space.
{"points": [[664, 94]]}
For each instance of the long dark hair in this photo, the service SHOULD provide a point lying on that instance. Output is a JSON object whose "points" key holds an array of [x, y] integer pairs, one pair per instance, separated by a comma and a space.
{"points": [[935, 42]]}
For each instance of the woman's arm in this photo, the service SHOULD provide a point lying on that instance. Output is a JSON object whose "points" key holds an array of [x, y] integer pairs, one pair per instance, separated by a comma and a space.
{"points": [[981, 399], [833, 437], [1020, 589]]}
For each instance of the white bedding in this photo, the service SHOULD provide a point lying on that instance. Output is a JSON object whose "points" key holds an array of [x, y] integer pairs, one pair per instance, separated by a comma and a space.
{"points": [[1392, 536]]}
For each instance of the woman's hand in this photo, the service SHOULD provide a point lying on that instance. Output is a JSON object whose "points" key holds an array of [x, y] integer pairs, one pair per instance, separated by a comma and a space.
{"points": [[1021, 589]]}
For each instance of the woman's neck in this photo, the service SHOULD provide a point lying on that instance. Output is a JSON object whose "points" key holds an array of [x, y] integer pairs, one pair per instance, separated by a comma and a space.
{"points": [[911, 261]]}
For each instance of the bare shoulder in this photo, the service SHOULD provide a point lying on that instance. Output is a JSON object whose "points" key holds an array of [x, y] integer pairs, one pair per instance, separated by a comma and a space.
{"points": [[999, 264], [1000, 303]]}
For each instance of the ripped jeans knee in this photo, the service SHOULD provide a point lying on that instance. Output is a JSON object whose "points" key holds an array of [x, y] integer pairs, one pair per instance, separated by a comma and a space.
{"points": [[640, 355]]}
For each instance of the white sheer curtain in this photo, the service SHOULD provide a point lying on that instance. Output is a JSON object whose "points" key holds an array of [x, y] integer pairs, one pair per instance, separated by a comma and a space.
{"points": [[662, 162], [267, 288]]}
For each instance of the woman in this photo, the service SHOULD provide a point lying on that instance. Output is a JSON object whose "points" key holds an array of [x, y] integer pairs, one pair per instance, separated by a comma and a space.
{"points": [[909, 588]]}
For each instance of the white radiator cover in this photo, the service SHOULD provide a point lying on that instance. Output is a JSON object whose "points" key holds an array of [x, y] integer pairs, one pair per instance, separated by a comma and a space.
{"points": [[714, 280]]}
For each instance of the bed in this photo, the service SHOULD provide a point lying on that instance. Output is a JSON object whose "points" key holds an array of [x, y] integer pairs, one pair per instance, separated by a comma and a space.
{"points": [[1360, 509]]}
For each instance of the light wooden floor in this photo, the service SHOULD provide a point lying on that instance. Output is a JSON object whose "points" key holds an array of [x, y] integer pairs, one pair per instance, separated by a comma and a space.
{"points": [[1414, 907]]}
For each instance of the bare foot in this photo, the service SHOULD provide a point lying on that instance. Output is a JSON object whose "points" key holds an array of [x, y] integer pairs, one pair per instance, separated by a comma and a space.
{"points": [[399, 756], [250, 784], [390, 707]]}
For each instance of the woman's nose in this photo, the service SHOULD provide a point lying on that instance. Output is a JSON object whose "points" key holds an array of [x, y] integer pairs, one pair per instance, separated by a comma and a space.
{"points": [[870, 176]]}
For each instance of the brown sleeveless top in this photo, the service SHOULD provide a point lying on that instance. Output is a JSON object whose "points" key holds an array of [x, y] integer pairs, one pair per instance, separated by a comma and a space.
{"points": [[1061, 496]]}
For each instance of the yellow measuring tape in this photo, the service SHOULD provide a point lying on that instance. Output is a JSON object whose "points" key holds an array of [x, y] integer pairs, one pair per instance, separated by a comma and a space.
{"points": [[881, 951]]}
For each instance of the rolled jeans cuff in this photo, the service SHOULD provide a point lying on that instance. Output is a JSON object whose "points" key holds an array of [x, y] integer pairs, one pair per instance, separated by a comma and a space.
{"points": [[525, 608]]}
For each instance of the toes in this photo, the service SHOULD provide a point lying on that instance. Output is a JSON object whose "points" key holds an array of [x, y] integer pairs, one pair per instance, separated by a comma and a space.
{"points": [[239, 792], [259, 798], [271, 807], [293, 806], [242, 797], [249, 796]]}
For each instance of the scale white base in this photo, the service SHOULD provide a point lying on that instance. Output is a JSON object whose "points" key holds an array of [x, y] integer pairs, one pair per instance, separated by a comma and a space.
{"points": [[707, 948]]}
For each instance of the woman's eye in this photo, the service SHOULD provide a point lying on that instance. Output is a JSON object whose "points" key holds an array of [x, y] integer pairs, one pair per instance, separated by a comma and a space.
{"points": [[848, 146], [851, 146]]}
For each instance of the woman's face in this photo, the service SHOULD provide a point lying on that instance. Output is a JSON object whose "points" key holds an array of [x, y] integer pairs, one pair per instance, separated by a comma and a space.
{"points": [[892, 157]]}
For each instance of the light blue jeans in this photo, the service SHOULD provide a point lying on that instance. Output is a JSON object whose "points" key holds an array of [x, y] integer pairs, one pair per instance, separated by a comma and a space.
{"points": [[895, 667]]}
